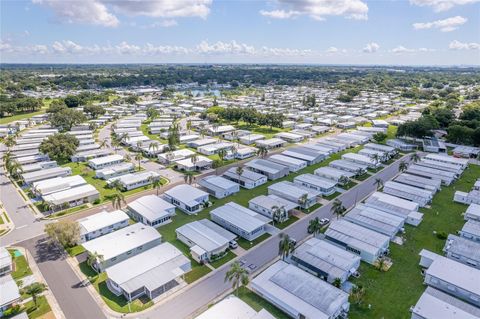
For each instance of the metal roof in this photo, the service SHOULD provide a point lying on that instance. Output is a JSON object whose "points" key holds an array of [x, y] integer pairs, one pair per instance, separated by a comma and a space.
{"points": [[100, 220], [240, 216], [206, 234], [151, 207]]}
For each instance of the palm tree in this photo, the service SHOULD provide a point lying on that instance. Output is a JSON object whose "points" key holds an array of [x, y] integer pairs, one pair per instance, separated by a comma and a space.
{"points": [[139, 145], [15, 169], [104, 144], [139, 157], [222, 153], [278, 214], [344, 180], [34, 290], [153, 147], [115, 144], [156, 183], [123, 137], [189, 126], [415, 157], [239, 171], [237, 275], [117, 200], [94, 258], [262, 151], [189, 178], [379, 183], [375, 158], [314, 226], [303, 200], [337, 208], [128, 158], [402, 167], [337, 282], [116, 184], [380, 264], [194, 158], [286, 246]]}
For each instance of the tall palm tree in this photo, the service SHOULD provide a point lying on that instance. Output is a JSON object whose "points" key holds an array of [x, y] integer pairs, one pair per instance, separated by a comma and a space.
{"points": [[239, 171], [156, 183], [262, 151], [139, 145], [277, 214], [379, 183], [15, 169], [116, 185], [194, 158], [303, 200], [139, 157], [115, 144], [104, 144], [286, 246], [314, 226], [337, 208], [222, 153], [415, 157], [402, 167], [344, 180], [189, 178], [34, 290], [237, 275], [123, 137], [189, 126], [153, 147], [117, 200], [375, 158], [94, 258]]}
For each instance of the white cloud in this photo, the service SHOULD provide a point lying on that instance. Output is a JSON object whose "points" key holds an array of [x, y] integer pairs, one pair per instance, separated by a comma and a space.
{"points": [[84, 12], [371, 47], [320, 9], [101, 12], [279, 14], [457, 45], [441, 5], [162, 24], [332, 50], [403, 50], [445, 25], [224, 48]]}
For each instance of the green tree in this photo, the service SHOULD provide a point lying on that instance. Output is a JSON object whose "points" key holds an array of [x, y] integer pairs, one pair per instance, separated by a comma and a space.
{"points": [[59, 147], [337, 208], [55, 106], [237, 275], [337, 282], [94, 258], [415, 157], [380, 137], [286, 246], [63, 232], [117, 200], [402, 166], [94, 110], [65, 119], [189, 178], [379, 183], [314, 226], [33, 290], [71, 101], [139, 157]]}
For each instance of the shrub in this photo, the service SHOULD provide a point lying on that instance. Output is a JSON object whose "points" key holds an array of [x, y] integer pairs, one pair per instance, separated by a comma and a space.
{"points": [[442, 235]]}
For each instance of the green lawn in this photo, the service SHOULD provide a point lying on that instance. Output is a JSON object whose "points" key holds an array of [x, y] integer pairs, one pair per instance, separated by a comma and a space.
{"points": [[362, 177], [348, 185], [312, 208], [198, 270], [287, 223], [258, 303], [260, 129], [116, 303], [76, 250], [392, 293], [222, 261], [101, 185], [330, 197], [144, 129], [21, 266], [18, 117], [42, 307], [246, 244]]}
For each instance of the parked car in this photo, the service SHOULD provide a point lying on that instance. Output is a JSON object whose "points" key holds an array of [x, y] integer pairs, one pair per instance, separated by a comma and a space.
{"points": [[324, 221], [233, 244]]}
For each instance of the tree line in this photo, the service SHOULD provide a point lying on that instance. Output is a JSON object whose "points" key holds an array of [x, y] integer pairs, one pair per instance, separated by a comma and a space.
{"points": [[247, 115]]}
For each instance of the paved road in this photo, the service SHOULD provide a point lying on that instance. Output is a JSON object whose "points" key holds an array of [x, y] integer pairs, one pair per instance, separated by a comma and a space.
{"points": [[74, 299], [26, 224], [200, 294]]}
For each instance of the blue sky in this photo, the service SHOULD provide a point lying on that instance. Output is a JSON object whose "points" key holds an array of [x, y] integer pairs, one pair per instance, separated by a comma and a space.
{"points": [[403, 32]]}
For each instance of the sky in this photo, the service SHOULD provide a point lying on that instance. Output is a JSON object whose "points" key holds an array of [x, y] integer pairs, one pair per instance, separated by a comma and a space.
{"points": [[380, 32]]}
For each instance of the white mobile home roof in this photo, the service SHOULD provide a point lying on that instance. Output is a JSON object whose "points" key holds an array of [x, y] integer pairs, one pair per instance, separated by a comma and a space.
{"points": [[234, 308], [151, 207], [265, 165], [301, 291], [151, 269], [315, 180], [375, 219], [217, 182], [327, 257], [240, 216], [292, 190], [435, 304], [101, 220], [71, 194], [106, 159], [357, 236], [133, 178], [56, 184], [271, 201], [418, 181], [329, 172], [206, 234], [408, 189], [448, 159], [473, 210], [286, 160], [463, 247], [122, 240], [186, 193], [396, 201], [46, 174], [379, 147], [455, 273]]}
